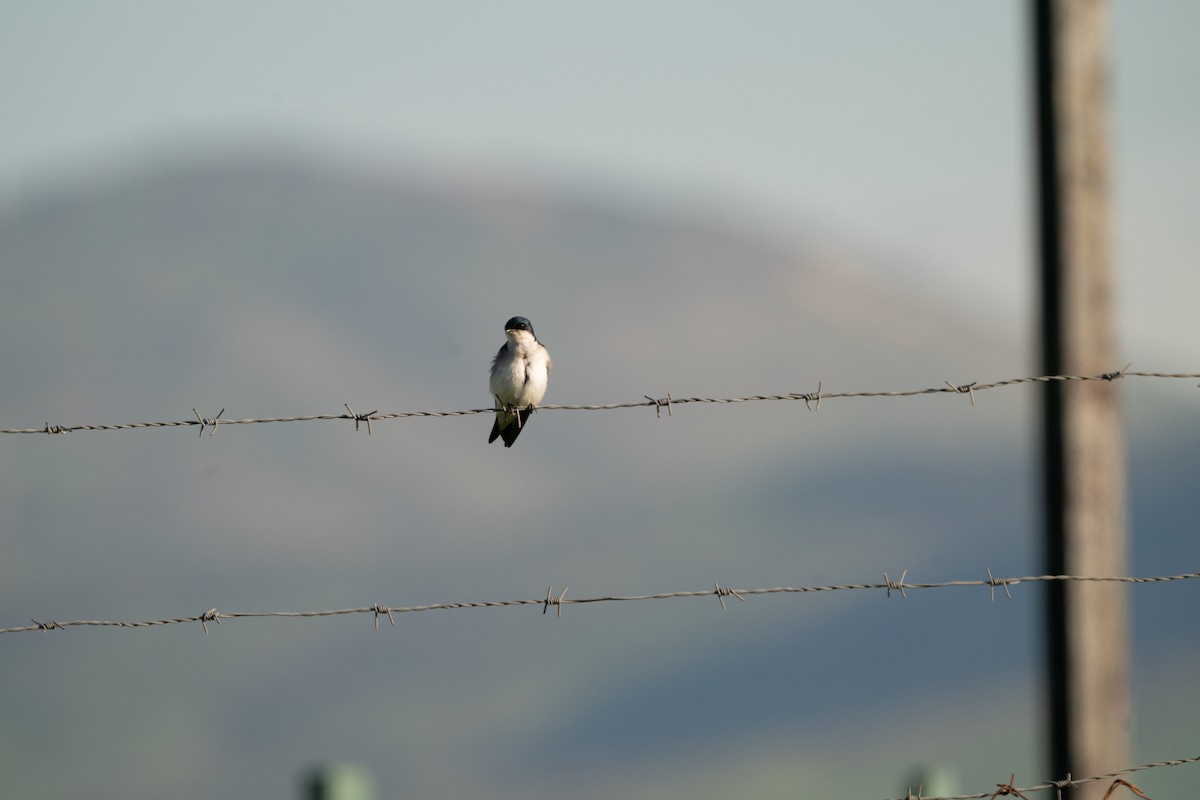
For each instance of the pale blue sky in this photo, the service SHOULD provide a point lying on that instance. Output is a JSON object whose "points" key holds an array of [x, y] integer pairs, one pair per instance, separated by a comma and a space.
{"points": [[902, 127]]}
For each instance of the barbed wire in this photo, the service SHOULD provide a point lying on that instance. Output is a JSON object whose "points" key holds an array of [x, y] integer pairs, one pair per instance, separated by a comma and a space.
{"points": [[557, 600], [1007, 789], [812, 400]]}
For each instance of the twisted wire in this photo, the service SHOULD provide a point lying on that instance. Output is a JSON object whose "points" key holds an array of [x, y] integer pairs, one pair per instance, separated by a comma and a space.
{"points": [[668, 402], [888, 585], [1005, 789]]}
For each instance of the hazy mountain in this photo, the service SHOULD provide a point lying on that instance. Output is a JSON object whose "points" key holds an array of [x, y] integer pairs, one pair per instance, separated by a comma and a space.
{"points": [[275, 286]]}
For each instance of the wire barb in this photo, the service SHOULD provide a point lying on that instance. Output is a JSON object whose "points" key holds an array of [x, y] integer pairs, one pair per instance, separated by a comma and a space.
{"points": [[551, 600], [47, 626], [809, 398], [966, 388], [723, 593], [1065, 783], [1002, 582], [55, 429], [209, 616], [1004, 789], [1119, 782], [1118, 375], [897, 585], [658, 404], [205, 423], [360, 418], [381, 609]]}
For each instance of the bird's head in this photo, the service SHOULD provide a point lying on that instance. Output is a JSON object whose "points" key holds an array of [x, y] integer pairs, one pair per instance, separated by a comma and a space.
{"points": [[519, 330]]}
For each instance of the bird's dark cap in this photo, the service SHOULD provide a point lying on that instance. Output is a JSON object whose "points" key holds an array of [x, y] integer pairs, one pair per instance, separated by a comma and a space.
{"points": [[519, 324]]}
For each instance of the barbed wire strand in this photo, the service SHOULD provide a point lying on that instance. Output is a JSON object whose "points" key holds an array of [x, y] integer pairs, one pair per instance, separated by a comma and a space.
{"points": [[1006, 789], [812, 400], [900, 585], [558, 600]]}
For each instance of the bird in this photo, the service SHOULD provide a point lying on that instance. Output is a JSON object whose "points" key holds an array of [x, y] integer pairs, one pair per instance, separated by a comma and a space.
{"points": [[518, 379]]}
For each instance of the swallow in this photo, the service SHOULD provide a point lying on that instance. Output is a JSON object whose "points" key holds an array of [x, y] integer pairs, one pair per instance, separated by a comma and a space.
{"points": [[520, 373]]}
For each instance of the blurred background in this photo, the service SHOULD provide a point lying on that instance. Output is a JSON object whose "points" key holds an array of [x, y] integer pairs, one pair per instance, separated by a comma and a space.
{"points": [[277, 209]]}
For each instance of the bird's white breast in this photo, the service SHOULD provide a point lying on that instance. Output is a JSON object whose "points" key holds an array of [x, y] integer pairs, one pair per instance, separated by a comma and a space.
{"points": [[520, 379], [537, 376]]}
